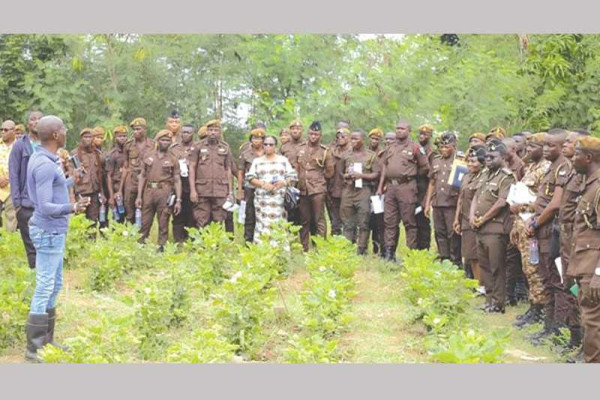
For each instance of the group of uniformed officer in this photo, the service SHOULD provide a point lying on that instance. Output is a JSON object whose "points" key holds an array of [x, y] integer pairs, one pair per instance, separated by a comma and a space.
{"points": [[510, 248]]}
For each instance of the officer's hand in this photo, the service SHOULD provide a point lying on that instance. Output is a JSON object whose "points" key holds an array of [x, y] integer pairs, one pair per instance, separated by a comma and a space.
{"points": [[514, 209], [530, 231], [138, 202], [194, 197], [594, 291], [102, 198], [514, 237], [379, 192], [239, 195], [427, 210], [112, 202], [456, 227], [177, 208]]}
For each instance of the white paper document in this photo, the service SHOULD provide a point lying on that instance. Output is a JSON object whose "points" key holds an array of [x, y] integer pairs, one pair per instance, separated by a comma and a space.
{"points": [[242, 214], [377, 204], [358, 168], [558, 263], [519, 193]]}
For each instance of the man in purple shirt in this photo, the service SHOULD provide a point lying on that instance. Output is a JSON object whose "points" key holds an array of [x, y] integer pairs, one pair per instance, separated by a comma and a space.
{"points": [[17, 167], [47, 188]]}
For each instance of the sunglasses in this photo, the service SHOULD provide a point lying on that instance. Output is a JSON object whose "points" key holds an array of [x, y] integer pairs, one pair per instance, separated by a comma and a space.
{"points": [[269, 144]]}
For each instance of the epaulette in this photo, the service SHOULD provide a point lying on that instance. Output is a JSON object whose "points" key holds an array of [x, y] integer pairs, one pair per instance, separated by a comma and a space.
{"points": [[174, 145], [507, 171], [560, 171]]}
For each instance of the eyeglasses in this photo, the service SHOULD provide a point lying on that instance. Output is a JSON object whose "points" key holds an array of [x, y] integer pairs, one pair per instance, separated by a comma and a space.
{"points": [[269, 144]]}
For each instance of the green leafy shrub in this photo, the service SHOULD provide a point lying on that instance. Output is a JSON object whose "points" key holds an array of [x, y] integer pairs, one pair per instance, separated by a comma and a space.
{"points": [[469, 346], [436, 289], [204, 346], [79, 239], [311, 350], [106, 340]]}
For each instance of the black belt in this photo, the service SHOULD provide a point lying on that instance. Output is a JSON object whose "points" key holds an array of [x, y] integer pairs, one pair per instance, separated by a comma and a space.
{"points": [[401, 180]]}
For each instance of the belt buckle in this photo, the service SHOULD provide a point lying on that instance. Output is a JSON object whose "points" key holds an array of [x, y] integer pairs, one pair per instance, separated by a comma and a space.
{"points": [[153, 185]]}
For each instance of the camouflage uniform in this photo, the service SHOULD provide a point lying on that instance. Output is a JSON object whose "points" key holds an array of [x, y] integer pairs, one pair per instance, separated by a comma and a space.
{"points": [[532, 178]]}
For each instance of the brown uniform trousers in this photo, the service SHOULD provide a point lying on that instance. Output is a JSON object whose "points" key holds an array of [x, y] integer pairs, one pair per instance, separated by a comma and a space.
{"points": [[90, 185], [355, 207], [160, 172], [185, 218], [213, 168], [423, 223], [492, 236], [567, 310], [114, 168], [290, 150], [468, 238], [133, 159], [247, 155], [403, 162], [444, 201], [585, 253], [335, 188], [557, 175], [532, 178], [376, 221], [314, 168]]}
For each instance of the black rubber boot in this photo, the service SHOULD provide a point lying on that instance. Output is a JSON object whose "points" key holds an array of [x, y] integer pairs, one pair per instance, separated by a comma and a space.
{"points": [[50, 335], [532, 316], [37, 331], [576, 338]]}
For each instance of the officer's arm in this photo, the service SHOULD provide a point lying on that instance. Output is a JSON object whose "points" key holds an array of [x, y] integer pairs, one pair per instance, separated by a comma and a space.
{"points": [[423, 164], [381, 179], [141, 183], [178, 187], [230, 175], [124, 173], [109, 183], [430, 188], [472, 209], [552, 208], [329, 166]]}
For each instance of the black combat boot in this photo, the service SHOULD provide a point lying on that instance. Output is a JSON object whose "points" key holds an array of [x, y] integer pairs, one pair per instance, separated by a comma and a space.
{"points": [[37, 332], [532, 316], [50, 335], [389, 254], [576, 338], [550, 328]]}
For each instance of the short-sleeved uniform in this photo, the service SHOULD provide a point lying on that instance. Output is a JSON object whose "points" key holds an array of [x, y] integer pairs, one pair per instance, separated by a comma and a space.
{"points": [[134, 153], [315, 166], [355, 205], [423, 223], [403, 162], [443, 202], [585, 256], [492, 236], [90, 184], [161, 170], [213, 171]]}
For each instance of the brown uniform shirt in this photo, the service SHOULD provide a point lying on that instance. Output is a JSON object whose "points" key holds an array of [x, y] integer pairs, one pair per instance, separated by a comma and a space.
{"points": [[444, 195], [336, 183], [585, 252], [160, 168], [182, 153], [114, 164], [290, 150], [468, 187], [493, 185], [368, 159], [315, 166], [570, 198], [423, 181], [134, 156], [213, 168], [517, 166], [247, 155], [93, 163], [404, 161], [557, 175]]}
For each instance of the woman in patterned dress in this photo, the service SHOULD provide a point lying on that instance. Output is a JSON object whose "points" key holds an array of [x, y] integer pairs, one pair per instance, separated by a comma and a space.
{"points": [[270, 175]]}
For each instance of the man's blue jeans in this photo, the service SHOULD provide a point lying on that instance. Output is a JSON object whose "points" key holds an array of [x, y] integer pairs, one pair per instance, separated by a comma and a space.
{"points": [[50, 249]]}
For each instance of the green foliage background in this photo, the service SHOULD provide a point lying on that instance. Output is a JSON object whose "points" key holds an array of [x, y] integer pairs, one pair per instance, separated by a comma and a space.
{"points": [[532, 82]]}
